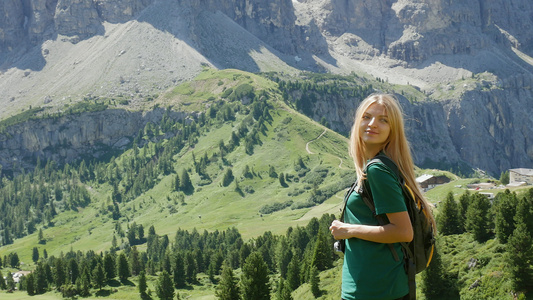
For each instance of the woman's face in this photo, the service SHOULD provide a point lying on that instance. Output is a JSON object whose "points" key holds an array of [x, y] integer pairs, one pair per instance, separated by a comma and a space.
{"points": [[375, 127]]}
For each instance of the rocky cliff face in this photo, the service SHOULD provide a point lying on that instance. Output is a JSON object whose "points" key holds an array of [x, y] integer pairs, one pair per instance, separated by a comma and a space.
{"points": [[413, 31], [493, 129], [486, 129], [38, 20], [408, 30], [64, 49], [70, 137]]}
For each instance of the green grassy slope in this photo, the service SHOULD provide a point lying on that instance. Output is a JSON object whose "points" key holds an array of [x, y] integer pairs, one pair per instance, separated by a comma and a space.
{"points": [[287, 137], [213, 206]]}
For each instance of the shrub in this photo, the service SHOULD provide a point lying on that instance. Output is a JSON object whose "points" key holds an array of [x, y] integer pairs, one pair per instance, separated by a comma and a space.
{"points": [[276, 206]]}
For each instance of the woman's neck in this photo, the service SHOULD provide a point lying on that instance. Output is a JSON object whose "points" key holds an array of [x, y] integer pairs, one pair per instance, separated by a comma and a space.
{"points": [[371, 153]]}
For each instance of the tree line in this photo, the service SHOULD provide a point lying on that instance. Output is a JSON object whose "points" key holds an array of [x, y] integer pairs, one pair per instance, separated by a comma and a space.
{"points": [[508, 218], [305, 92], [296, 257], [31, 198]]}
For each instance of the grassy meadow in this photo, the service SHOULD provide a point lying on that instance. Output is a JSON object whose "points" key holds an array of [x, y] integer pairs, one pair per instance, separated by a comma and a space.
{"points": [[288, 137]]}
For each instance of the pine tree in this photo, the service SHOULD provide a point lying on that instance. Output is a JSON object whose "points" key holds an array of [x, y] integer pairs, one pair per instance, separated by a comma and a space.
{"points": [[116, 211], [14, 261], [477, 217], [228, 177], [504, 177], [114, 243], [98, 276], [142, 285], [190, 267], [7, 239], [179, 271], [164, 287], [246, 173], [84, 283], [140, 233], [322, 253], [185, 183], [233, 142], [293, 274], [40, 283], [314, 281], [132, 234], [3, 285], [73, 270], [167, 264], [30, 284], [283, 256], [524, 211], [284, 291], [520, 252], [116, 196], [448, 217], [135, 261], [176, 184], [59, 273], [238, 188], [48, 273], [35, 254], [123, 268], [109, 266], [299, 164], [433, 278], [228, 288], [281, 179], [10, 282], [255, 279], [249, 145], [504, 218], [272, 172], [464, 202], [40, 236]]}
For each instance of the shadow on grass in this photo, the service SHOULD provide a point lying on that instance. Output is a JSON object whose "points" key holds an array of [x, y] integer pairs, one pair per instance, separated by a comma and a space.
{"points": [[103, 293], [187, 287], [113, 283], [145, 296], [127, 282]]}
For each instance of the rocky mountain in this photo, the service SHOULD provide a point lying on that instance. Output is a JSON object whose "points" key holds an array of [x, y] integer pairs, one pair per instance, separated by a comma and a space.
{"points": [[471, 59]]}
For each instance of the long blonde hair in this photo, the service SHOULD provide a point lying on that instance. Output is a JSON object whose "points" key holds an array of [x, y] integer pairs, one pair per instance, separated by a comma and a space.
{"points": [[396, 147]]}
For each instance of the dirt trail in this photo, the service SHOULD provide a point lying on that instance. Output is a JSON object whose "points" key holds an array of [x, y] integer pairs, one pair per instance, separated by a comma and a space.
{"points": [[310, 152], [307, 145]]}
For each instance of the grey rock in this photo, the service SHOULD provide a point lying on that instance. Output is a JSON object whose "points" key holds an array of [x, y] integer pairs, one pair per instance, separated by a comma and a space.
{"points": [[487, 125], [67, 138]]}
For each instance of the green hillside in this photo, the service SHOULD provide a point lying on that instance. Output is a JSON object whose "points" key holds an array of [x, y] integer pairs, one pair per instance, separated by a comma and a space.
{"points": [[212, 206], [245, 164], [312, 160]]}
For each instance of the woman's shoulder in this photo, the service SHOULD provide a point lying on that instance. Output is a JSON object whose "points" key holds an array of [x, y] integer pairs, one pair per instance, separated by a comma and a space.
{"points": [[377, 168]]}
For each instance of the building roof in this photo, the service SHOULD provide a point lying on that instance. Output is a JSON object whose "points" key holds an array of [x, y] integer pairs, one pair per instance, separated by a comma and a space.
{"points": [[515, 184], [523, 171], [424, 178]]}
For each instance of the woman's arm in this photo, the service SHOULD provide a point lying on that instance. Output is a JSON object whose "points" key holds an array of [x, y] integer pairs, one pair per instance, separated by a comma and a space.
{"points": [[398, 230]]}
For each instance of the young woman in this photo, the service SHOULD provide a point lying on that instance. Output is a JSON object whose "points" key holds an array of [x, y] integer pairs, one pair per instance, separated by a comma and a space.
{"points": [[370, 270]]}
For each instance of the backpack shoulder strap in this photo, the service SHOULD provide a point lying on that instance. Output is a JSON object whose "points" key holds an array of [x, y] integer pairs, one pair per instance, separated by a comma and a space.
{"points": [[390, 164], [346, 196]]}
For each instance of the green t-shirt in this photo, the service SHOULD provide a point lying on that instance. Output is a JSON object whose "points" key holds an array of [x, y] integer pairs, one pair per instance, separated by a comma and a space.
{"points": [[369, 270]]}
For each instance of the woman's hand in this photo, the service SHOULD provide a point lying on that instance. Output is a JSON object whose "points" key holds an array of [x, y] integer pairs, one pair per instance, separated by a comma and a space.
{"points": [[398, 230], [339, 230]]}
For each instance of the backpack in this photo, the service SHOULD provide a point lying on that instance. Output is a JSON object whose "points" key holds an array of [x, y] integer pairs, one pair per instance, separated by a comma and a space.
{"points": [[419, 251]]}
